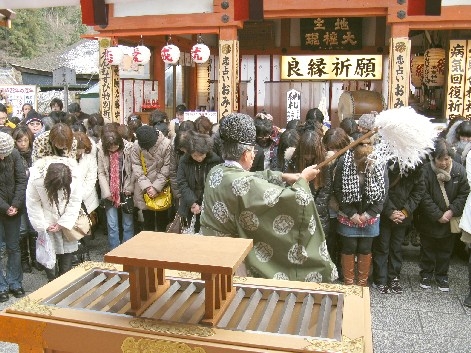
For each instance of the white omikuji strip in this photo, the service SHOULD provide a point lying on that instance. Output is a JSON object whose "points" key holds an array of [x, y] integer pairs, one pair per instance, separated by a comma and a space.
{"points": [[405, 136]]}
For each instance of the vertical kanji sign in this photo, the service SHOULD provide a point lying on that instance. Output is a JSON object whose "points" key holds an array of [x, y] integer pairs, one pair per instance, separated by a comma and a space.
{"points": [[226, 77], [293, 105], [399, 72], [467, 82], [109, 85], [457, 68]]}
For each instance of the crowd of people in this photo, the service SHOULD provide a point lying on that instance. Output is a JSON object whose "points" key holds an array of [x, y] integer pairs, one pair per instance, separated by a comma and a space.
{"points": [[243, 177]]}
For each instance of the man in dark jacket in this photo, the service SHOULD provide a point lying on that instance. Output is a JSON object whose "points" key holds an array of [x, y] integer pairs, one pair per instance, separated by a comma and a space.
{"points": [[404, 195]]}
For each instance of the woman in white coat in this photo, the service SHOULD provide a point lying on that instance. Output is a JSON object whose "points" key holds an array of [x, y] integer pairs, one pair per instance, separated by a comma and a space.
{"points": [[88, 168], [53, 199], [465, 225]]}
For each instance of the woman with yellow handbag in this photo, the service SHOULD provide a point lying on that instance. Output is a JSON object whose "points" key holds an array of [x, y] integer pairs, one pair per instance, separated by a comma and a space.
{"points": [[150, 158]]}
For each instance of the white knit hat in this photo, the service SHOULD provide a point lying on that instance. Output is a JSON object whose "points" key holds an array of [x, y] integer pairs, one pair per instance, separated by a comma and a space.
{"points": [[6, 144]]}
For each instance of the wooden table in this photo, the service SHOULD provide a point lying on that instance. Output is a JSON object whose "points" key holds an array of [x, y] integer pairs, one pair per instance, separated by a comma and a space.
{"points": [[148, 254]]}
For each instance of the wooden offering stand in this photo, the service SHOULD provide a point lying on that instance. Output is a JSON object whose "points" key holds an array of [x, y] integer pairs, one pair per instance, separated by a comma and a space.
{"points": [[147, 255]]}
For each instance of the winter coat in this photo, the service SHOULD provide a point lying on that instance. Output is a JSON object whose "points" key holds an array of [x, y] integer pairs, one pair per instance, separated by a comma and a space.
{"points": [[104, 171], [42, 213], [349, 209], [157, 161], [12, 182], [432, 205], [88, 168], [42, 147], [188, 172], [174, 159], [404, 193]]}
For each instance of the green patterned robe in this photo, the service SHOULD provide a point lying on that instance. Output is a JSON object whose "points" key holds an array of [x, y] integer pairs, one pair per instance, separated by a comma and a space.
{"points": [[289, 242]]}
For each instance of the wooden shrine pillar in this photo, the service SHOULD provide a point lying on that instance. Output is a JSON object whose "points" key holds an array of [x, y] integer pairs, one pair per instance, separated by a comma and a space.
{"points": [[109, 85], [399, 66], [228, 73]]}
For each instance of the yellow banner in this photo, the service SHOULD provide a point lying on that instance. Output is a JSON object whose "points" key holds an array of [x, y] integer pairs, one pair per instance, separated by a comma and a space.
{"points": [[331, 67]]}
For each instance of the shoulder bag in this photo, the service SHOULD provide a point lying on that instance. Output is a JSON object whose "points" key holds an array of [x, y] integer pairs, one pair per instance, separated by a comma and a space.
{"points": [[454, 221], [82, 226], [163, 200]]}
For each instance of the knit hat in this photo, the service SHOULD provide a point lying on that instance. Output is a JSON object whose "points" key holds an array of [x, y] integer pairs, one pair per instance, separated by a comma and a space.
{"points": [[367, 121], [6, 144], [238, 127], [146, 136], [33, 116]]}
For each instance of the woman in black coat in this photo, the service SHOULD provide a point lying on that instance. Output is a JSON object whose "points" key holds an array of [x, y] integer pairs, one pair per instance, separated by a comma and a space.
{"points": [[434, 213], [12, 199], [193, 168]]}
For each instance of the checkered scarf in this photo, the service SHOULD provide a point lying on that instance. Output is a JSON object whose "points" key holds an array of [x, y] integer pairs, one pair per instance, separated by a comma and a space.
{"points": [[374, 182]]}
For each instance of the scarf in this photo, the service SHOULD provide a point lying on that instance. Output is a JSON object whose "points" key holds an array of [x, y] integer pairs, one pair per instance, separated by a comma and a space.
{"points": [[114, 178], [442, 174], [374, 181]]}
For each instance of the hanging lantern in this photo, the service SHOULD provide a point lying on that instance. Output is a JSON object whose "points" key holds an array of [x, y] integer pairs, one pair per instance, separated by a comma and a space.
{"points": [[434, 67], [114, 55], [141, 55], [200, 51], [417, 71], [170, 54]]}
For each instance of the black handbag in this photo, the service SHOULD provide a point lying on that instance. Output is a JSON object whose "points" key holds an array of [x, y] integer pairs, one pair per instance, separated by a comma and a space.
{"points": [[126, 202]]}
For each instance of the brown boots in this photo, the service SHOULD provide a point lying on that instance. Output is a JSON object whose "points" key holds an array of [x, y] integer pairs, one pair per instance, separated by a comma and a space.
{"points": [[364, 263], [348, 268]]}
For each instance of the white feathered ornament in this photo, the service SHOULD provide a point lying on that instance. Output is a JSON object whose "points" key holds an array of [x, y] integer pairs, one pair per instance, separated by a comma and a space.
{"points": [[405, 136]]}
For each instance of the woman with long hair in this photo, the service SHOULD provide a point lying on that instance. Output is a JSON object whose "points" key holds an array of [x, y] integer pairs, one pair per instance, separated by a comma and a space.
{"points": [[53, 199], [116, 181]]}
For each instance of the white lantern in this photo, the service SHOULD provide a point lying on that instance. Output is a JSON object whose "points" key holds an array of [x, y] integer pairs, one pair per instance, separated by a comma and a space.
{"points": [[434, 67], [114, 55], [200, 53], [141, 55], [170, 54], [417, 71]]}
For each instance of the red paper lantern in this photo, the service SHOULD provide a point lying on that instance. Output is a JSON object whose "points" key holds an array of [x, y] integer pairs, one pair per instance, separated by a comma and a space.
{"points": [[114, 55], [170, 54], [141, 55], [200, 53]]}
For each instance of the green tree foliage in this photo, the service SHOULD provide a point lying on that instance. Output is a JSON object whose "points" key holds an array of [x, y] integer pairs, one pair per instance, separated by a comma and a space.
{"points": [[35, 31]]}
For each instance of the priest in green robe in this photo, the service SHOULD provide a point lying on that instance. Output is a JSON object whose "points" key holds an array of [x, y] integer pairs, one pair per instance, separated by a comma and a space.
{"points": [[274, 209]]}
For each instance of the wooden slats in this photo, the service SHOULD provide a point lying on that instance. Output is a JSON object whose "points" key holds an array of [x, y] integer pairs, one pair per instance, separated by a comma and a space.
{"points": [[268, 312], [305, 316], [255, 308]]}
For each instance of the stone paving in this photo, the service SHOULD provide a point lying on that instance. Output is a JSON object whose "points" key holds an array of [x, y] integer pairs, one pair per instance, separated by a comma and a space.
{"points": [[417, 321]]}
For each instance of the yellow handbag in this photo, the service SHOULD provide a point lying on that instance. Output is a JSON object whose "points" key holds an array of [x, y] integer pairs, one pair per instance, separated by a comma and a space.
{"points": [[163, 200]]}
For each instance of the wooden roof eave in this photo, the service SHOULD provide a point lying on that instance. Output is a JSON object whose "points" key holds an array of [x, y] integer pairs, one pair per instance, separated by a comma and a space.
{"points": [[324, 8], [207, 23]]}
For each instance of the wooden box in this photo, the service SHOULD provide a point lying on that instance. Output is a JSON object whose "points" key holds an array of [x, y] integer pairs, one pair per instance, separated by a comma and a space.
{"points": [[89, 310]]}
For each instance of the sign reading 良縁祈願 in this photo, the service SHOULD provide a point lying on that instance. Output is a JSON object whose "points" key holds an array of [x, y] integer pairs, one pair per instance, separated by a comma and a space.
{"points": [[339, 33], [331, 67]]}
